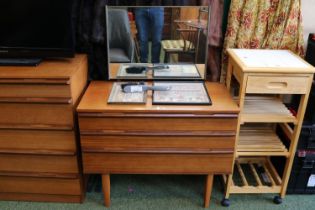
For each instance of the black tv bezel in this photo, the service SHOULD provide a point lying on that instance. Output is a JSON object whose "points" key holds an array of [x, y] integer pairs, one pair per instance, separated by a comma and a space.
{"points": [[28, 52], [15, 52]]}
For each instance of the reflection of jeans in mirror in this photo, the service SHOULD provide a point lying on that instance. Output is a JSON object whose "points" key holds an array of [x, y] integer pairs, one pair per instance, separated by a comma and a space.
{"points": [[150, 23]]}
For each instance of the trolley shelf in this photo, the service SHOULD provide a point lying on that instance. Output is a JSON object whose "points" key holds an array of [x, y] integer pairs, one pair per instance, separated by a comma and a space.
{"points": [[255, 175], [266, 109], [260, 142]]}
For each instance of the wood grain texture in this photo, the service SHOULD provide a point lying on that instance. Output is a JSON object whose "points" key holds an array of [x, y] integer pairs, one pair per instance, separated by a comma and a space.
{"points": [[41, 197], [49, 69], [34, 90], [38, 163], [45, 114], [277, 84], [262, 109], [96, 96], [166, 124], [130, 143], [104, 163], [78, 81], [208, 190], [37, 142], [52, 186], [38, 145], [106, 189], [151, 139]]}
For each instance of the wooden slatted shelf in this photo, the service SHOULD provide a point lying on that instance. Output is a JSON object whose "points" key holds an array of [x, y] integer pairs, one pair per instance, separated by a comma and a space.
{"points": [[255, 175], [266, 109], [258, 141]]}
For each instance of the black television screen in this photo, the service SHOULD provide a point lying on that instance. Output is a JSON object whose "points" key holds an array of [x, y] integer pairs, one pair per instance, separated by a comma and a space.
{"points": [[36, 28]]}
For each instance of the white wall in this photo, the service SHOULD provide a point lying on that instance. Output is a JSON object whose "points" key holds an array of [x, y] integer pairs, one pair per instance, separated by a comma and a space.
{"points": [[308, 17]]}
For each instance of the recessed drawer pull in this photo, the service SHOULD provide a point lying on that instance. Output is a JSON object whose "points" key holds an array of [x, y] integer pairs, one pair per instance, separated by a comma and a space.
{"points": [[277, 85]]}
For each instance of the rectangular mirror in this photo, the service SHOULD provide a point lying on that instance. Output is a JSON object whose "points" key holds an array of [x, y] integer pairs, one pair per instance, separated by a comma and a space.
{"points": [[150, 41]]}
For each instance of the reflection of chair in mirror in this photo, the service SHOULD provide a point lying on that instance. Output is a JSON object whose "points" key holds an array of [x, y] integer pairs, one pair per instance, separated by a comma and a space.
{"points": [[186, 44], [121, 45], [134, 32]]}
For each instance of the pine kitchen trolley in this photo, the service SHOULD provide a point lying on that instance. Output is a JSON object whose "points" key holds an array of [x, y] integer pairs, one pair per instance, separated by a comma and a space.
{"points": [[259, 81]]}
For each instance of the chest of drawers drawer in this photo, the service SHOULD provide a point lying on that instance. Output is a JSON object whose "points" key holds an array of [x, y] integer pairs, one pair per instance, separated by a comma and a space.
{"points": [[158, 144], [157, 124], [35, 90], [37, 142], [39, 185], [36, 113], [48, 164], [157, 163]]}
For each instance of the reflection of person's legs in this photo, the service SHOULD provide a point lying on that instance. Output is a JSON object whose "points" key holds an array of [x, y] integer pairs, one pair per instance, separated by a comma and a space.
{"points": [[142, 23], [157, 20]]}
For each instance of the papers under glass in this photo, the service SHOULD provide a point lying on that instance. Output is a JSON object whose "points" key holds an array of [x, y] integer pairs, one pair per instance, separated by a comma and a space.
{"points": [[118, 96], [177, 71], [186, 93]]}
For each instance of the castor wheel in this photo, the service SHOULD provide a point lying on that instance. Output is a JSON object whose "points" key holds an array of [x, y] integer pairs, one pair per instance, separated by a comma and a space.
{"points": [[225, 202], [277, 200]]}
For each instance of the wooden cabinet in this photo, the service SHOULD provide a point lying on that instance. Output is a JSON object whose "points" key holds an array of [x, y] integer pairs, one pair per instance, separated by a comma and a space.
{"points": [[156, 139], [262, 78], [39, 158]]}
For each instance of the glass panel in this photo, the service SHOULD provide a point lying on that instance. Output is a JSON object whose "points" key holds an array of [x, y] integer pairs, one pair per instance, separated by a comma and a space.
{"points": [[156, 36]]}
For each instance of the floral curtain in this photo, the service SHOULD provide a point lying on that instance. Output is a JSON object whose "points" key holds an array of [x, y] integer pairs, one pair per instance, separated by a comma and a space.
{"points": [[261, 24]]}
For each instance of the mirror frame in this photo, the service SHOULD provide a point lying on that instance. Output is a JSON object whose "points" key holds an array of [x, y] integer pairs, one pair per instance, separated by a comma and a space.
{"points": [[107, 7]]}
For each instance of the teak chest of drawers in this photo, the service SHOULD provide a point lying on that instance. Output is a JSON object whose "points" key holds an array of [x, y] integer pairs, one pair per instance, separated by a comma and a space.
{"points": [[39, 158], [151, 139]]}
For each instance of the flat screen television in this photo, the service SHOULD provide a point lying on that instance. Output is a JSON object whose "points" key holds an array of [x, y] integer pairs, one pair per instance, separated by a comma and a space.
{"points": [[35, 29]]}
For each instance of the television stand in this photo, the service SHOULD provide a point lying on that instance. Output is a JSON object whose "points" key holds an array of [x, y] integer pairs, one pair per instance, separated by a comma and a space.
{"points": [[20, 61]]}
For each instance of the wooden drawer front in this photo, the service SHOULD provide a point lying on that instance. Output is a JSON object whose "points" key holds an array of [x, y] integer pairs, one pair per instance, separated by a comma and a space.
{"points": [[166, 124], [277, 84], [37, 142], [156, 163], [38, 164], [147, 144], [47, 114], [40, 197], [35, 90], [40, 185]]}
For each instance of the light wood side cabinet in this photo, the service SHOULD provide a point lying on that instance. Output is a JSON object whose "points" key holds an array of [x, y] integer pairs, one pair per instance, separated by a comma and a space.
{"points": [[263, 78], [39, 146]]}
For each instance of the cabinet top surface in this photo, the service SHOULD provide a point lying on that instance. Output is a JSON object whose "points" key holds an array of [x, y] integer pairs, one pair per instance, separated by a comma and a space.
{"points": [[61, 68], [96, 96], [261, 60]]}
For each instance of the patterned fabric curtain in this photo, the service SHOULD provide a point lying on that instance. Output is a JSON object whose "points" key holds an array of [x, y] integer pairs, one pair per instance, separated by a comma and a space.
{"points": [[263, 24]]}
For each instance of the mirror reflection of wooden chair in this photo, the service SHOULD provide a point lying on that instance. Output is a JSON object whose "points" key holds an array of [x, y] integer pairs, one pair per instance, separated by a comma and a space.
{"points": [[186, 44], [120, 42], [134, 32]]}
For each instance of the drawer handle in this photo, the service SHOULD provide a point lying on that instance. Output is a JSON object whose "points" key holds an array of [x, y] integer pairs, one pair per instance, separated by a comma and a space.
{"points": [[277, 85]]}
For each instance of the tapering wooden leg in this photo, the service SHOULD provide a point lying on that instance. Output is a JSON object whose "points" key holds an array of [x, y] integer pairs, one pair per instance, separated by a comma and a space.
{"points": [[106, 189], [208, 189]]}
